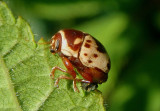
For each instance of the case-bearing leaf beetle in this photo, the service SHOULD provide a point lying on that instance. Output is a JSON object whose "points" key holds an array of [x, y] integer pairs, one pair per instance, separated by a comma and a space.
{"points": [[81, 51]]}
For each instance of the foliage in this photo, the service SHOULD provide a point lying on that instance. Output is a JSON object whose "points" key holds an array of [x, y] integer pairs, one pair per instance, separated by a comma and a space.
{"points": [[130, 32], [25, 66]]}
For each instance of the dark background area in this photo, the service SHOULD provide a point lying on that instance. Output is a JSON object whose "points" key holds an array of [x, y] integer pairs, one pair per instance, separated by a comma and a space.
{"points": [[129, 30]]}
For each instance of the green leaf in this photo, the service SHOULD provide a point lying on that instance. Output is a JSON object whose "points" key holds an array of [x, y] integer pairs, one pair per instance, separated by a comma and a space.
{"points": [[25, 67]]}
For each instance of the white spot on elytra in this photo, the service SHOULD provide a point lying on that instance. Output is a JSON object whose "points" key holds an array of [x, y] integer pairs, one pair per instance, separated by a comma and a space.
{"points": [[77, 41]]}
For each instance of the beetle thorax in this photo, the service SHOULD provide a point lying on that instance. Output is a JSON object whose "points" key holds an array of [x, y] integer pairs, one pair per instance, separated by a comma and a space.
{"points": [[71, 43]]}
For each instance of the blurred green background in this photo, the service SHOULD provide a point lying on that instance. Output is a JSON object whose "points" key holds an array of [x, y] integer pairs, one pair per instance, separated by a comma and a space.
{"points": [[130, 31]]}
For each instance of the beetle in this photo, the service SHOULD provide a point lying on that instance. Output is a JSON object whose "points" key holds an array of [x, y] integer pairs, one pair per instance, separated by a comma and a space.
{"points": [[82, 51]]}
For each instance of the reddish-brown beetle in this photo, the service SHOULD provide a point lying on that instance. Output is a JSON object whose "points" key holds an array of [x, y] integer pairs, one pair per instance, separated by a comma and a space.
{"points": [[82, 51]]}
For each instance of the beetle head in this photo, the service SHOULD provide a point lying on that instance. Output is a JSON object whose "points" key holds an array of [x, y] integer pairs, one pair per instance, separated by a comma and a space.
{"points": [[55, 43]]}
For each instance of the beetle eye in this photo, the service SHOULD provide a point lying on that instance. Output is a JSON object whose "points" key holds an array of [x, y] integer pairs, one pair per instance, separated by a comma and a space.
{"points": [[52, 51], [56, 45]]}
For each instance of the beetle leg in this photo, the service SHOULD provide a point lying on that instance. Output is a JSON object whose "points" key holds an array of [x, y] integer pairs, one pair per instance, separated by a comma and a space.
{"points": [[82, 80], [75, 86], [62, 77], [56, 68], [69, 67], [69, 78], [71, 71], [78, 80]]}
